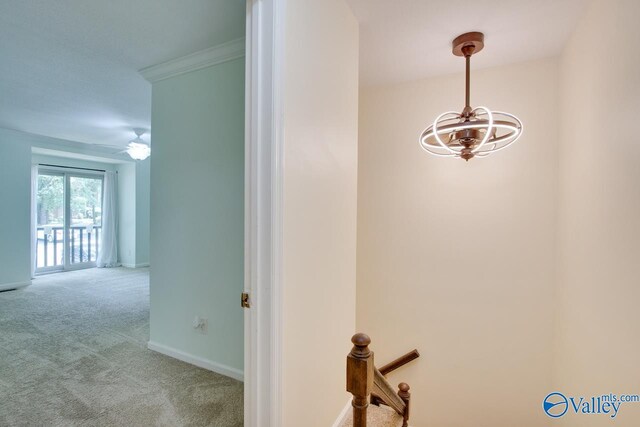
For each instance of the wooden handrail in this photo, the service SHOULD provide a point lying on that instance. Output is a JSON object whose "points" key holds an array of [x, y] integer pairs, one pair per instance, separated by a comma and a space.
{"points": [[364, 381], [392, 366], [385, 391], [399, 362]]}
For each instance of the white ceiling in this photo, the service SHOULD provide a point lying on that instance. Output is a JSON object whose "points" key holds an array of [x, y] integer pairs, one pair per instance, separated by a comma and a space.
{"points": [[403, 40], [69, 68]]}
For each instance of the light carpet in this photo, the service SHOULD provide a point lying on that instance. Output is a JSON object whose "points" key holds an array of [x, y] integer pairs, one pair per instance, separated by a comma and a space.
{"points": [[73, 353], [377, 416]]}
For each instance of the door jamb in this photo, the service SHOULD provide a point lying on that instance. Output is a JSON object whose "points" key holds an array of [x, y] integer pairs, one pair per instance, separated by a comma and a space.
{"points": [[263, 213]]}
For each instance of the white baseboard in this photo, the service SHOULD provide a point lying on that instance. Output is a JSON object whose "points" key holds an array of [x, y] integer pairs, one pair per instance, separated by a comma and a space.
{"points": [[343, 414], [16, 285], [141, 265], [197, 361]]}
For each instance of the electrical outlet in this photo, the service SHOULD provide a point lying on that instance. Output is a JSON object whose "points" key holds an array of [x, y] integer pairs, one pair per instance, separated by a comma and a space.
{"points": [[201, 325]]}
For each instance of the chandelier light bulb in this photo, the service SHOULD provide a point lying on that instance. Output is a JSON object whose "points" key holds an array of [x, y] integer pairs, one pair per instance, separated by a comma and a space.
{"points": [[474, 132]]}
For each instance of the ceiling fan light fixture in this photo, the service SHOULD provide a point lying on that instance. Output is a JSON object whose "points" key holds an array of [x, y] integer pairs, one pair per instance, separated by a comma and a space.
{"points": [[137, 149], [474, 132]]}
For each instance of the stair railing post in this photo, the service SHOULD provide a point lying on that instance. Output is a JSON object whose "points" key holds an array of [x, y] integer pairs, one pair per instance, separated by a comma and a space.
{"points": [[404, 394], [360, 377]]}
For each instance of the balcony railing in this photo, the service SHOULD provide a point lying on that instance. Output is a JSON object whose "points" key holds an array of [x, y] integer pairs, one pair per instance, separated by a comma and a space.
{"points": [[84, 243]]}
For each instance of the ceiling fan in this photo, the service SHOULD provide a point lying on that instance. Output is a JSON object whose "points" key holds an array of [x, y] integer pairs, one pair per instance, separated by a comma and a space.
{"points": [[137, 148]]}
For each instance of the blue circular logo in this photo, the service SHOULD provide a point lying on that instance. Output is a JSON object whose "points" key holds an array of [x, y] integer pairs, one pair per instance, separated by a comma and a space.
{"points": [[555, 405]]}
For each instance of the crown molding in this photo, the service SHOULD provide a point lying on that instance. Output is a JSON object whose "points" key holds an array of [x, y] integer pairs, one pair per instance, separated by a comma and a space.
{"points": [[224, 52]]}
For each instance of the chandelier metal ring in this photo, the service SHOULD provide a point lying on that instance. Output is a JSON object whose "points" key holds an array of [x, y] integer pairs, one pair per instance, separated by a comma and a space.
{"points": [[506, 132], [487, 132], [434, 127]]}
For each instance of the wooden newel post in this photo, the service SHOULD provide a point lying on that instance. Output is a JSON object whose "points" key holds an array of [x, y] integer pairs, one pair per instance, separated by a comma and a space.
{"points": [[403, 393], [360, 377]]}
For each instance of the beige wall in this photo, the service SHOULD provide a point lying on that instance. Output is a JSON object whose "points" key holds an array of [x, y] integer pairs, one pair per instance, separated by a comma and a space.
{"points": [[320, 196], [599, 320], [459, 259]]}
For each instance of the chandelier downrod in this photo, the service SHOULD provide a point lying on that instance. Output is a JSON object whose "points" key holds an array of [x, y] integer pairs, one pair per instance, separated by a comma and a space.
{"points": [[467, 92], [466, 45]]}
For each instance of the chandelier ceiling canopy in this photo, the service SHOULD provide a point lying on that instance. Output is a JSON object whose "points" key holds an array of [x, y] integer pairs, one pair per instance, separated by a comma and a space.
{"points": [[474, 132]]}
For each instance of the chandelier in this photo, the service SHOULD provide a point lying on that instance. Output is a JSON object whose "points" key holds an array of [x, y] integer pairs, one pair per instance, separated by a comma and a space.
{"points": [[475, 132]]}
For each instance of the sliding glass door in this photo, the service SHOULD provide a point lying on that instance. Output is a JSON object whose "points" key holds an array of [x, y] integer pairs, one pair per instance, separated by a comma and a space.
{"points": [[50, 222], [85, 219], [69, 220]]}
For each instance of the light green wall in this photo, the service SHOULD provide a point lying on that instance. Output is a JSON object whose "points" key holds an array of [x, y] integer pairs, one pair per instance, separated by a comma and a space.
{"points": [[143, 191], [197, 212], [127, 214], [15, 211], [133, 220]]}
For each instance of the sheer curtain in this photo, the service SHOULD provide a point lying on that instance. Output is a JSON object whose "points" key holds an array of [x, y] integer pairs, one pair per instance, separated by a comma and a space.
{"points": [[34, 218], [108, 253]]}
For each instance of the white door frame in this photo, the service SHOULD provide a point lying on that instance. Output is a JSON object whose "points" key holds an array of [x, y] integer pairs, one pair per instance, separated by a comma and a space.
{"points": [[263, 213]]}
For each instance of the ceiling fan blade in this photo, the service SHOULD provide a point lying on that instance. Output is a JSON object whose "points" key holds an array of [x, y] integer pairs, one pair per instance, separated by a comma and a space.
{"points": [[116, 149], [107, 146]]}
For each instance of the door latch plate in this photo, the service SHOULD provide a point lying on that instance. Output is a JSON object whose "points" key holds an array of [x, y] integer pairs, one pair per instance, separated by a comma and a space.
{"points": [[244, 300]]}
